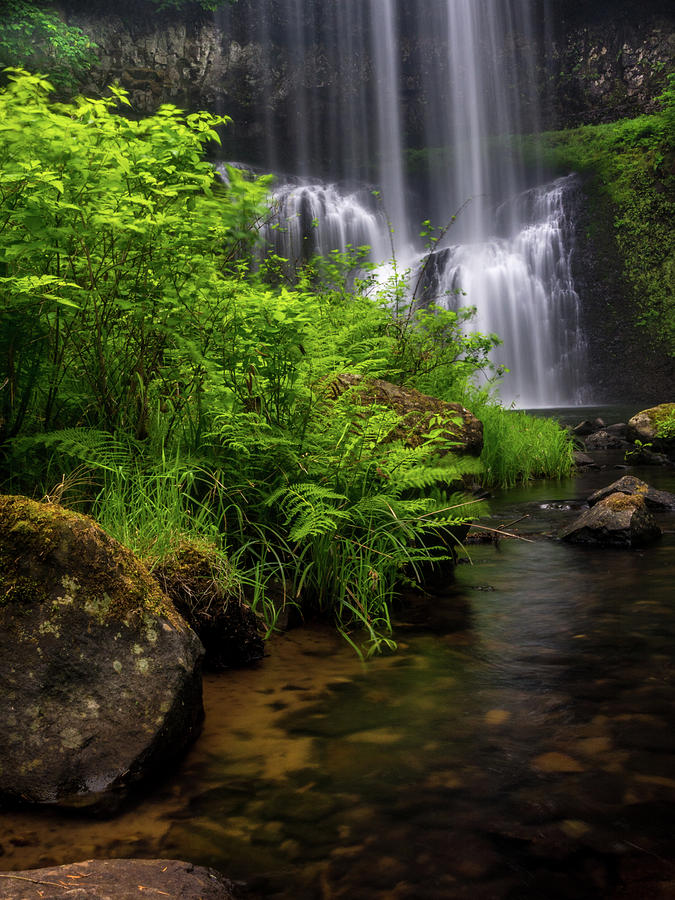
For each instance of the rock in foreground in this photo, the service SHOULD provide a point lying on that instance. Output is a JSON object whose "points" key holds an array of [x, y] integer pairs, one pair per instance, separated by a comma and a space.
{"points": [[618, 520], [100, 678], [117, 879], [633, 486]]}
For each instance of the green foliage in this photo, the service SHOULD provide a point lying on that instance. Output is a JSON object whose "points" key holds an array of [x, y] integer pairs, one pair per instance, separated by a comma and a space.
{"points": [[665, 426], [156, 375], [518, 447], [109, 231], [34, 36], [633, 161]]}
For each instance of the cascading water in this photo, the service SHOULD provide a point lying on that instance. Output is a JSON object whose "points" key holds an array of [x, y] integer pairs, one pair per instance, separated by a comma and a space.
{"points": [[314, 217], [348, 67]]}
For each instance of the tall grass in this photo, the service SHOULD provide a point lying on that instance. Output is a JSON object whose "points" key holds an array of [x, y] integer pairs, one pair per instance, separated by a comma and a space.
{"points": [[519, 447]]}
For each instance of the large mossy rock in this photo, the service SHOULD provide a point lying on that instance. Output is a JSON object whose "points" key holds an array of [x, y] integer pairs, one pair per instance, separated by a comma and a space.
{"points": [[117, 879], [645, 425], [204, 589], [419, 413], [619, 520], [100, 677], [629, 484]]}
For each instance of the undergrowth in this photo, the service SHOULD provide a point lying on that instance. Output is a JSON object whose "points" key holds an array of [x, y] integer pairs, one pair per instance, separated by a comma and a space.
{"points": [[156, 376]]}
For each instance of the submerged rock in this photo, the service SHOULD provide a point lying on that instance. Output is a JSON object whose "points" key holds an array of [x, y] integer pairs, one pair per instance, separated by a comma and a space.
{"points": [[419, 413], [618, 520], [100, 677], [204, 589], [117, 879], [633, 486]]}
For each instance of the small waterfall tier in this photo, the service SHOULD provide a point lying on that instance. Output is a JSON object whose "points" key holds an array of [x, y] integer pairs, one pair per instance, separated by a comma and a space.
{"points": [[522, 287], [310, 217]]}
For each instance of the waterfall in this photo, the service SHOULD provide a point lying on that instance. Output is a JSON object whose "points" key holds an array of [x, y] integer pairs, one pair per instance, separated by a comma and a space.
{"points": [[314, 217], [364, 87]]}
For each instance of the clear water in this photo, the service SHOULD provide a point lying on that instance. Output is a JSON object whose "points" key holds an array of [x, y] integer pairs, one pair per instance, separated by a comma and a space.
{"points": [[519, 745]]}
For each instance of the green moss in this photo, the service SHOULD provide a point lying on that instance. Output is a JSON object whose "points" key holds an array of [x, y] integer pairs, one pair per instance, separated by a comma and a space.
{"points": [[56, 557], [631, 186]]}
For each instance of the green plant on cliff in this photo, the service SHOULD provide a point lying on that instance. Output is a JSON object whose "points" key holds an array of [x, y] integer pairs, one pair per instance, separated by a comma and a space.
{"points": [[632, 164], [33, 35]]}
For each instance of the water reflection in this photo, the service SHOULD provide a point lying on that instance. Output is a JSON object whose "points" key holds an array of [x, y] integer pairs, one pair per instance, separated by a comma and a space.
{"points": [[520, 744]]}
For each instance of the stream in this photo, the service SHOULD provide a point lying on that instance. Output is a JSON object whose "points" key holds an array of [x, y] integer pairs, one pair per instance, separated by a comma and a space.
{"points": [[519, 744]]}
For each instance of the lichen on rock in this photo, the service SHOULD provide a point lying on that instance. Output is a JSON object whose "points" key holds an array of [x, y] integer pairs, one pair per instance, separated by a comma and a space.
{"points": [[98, 671]]}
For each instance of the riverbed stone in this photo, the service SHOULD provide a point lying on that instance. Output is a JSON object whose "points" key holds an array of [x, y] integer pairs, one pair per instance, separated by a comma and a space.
{"points": [[204, 587], [117, 879], [632, 486], [100, 677], [619, 520], [587, 426], [419, 413], [605, 440]]}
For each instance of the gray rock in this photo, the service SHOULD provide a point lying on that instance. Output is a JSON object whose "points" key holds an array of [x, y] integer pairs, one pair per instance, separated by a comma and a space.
{"points": [[605, 440], [117, 879], [100, 677], [618, 520], [633, 486], [587, 427], [583, 459]]}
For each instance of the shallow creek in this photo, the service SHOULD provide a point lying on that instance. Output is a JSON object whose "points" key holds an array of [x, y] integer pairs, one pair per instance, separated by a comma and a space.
{"points": [[520, 744]]}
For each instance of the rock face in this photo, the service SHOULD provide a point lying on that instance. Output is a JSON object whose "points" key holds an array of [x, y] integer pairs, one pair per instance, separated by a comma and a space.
{"points": [[117, 879], [419, 413], [633, 486], [644, 426], [203, 589], [619, 520], [100, 681]]}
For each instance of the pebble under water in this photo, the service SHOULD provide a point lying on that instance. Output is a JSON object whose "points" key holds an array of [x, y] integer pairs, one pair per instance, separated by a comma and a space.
{"points": [[519, 744]]}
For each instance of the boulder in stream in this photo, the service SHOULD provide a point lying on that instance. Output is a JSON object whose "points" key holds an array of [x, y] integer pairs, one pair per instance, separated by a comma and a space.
{"points": [[100, 677], [117, 879], [618, 520], [633, 486], [606, 440], [647, 427]]}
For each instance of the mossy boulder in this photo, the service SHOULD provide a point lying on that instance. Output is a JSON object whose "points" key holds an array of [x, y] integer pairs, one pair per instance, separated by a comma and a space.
{"points": [[655, 426], [205, 590], [618, 520], [100, 677], [629, 484], [117, 879], [419, 413]]}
